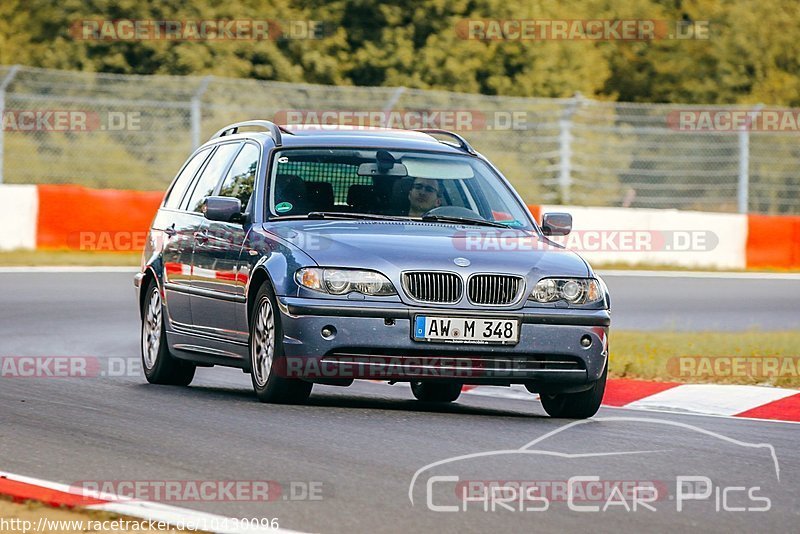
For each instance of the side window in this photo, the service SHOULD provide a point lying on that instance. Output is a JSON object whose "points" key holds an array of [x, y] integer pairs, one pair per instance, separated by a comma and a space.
{"points": [[242, 176], [211, 175], [175, 194]]}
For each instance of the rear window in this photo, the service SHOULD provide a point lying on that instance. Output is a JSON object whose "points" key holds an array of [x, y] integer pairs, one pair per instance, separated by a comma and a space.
{"points": [[183, 180], [340, 175], [211, 175]]}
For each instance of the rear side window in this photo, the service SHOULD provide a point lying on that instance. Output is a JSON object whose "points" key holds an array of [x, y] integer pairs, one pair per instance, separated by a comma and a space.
{"points": [[240, 179], [211, 175], [183, 180]]}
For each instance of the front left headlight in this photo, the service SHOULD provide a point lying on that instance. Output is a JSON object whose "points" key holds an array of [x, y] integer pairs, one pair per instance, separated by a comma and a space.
{"points": [[344, 281], [573, 290]]}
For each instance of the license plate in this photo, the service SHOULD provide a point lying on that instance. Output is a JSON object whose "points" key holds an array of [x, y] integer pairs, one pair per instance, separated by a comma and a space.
{"points": [[466, 330]]}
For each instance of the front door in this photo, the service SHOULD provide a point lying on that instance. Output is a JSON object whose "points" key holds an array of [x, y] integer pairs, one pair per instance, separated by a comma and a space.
{"points": [[218, 297]]}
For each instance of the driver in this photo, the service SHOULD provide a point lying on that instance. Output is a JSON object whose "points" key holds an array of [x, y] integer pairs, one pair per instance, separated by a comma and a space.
{"points": [[423, 196]]}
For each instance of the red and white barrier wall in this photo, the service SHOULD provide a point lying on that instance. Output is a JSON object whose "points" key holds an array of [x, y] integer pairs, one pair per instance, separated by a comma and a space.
{"points": [[78, 218], [18, 217], [657, 237]]}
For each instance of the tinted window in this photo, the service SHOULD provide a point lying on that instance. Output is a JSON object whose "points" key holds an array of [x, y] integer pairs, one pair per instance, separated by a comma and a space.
{"points": [[397, 183], [184, 178], [211, 175], [341, 175], [242, 176]]}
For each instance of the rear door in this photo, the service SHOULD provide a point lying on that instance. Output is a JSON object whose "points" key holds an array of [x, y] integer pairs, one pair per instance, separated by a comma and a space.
{"points": [[176, 229]]}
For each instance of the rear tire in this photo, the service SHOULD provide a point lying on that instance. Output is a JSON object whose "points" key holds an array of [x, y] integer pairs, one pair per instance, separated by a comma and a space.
{"points": [[160, 366], [436, 391], [266, 355], [576, 405]]}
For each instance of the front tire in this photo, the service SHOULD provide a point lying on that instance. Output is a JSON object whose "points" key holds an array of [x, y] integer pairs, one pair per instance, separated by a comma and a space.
{"points": [[436, 391], [267, 358], [160, 366], [576, 405]]}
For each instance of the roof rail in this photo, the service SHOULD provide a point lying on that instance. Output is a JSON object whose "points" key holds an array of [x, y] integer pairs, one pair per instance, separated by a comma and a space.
{"points": [[273, 129], [462, 143]]}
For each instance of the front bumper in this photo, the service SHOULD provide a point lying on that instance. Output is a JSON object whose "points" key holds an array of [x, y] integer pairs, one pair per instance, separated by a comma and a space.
{"points": [[373, 340], [137, 288]]}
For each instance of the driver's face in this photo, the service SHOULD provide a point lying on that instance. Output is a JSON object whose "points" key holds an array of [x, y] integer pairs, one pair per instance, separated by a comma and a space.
{"points": [[424, 195]]}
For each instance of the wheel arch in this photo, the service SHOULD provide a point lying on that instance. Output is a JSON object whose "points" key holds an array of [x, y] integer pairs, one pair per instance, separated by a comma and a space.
{"points": [[149, 276], [259, 277]]}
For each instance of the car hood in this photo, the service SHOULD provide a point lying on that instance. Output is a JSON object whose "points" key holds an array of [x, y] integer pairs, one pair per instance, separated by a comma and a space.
{"points": [[389, 246]]}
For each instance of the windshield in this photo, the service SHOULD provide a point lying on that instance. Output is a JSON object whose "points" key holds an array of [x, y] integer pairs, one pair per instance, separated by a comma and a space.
{"points": [[391, 183]]}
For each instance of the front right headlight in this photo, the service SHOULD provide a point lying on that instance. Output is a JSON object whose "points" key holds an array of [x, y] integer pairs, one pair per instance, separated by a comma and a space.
{"points": [[344, 281], [573, 290]]}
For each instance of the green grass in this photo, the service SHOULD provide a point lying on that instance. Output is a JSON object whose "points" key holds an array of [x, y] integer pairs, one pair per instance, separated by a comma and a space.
{"points": [[660, 355], [597, 266], [69, 258]]}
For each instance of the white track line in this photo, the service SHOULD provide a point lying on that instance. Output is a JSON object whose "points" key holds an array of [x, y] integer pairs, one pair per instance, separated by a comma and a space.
{"points": [[700, 414], [714, 399], [708, 400], [702, 274], [67, 269], [152, 511]]}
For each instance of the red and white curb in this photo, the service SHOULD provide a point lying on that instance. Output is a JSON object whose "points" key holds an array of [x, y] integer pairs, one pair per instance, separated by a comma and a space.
{"points": [[753, 402], [21, 488]]}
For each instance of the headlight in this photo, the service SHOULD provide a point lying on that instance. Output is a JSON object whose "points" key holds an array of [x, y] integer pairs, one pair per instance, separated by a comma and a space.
{"points": [[573, 290], [344, 281]]}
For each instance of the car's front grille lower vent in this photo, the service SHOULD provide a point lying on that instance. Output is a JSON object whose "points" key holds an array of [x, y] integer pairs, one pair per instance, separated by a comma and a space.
{"points": [[494, 289], [434, 287]]}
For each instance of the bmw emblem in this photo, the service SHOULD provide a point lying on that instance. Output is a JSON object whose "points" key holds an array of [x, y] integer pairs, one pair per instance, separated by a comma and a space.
{"points": [[461, 262]]}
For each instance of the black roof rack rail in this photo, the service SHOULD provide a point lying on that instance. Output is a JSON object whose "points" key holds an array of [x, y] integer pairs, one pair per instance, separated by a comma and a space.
{"points": [[462, 143], [273, 129]]}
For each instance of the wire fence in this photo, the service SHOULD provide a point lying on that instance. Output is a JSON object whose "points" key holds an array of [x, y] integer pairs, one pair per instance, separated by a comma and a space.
{"points": [[134, 132]]}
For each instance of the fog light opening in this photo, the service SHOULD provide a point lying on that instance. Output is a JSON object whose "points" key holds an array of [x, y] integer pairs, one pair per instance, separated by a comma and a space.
{"points": [[328, 332], [586, 341]]}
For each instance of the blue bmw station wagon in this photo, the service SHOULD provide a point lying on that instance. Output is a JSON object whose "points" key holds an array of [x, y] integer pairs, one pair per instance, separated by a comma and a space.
{"points": [[308, 255]]}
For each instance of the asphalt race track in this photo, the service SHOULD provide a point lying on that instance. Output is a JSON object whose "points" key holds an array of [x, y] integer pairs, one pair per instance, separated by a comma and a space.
{"points": [[687, 301], [365, 452]]}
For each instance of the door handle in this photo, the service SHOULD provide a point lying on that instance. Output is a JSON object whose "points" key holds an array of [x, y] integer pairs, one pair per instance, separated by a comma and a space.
{"points": [[170, 230], [202, 237]]}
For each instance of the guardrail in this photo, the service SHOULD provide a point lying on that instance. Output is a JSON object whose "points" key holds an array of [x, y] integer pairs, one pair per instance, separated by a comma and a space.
{"points": [[79, 218]]}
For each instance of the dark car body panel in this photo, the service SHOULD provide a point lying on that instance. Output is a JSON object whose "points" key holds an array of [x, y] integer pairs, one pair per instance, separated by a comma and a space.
{"points": [[206, 271]]}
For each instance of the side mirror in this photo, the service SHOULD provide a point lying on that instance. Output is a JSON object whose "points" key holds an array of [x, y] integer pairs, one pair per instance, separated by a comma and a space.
{"points": [[225, 209], [556, 224]]}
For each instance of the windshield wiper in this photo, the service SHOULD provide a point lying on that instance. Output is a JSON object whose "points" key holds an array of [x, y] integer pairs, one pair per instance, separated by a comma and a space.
{"points": [[462, 220], [359, 216]]}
